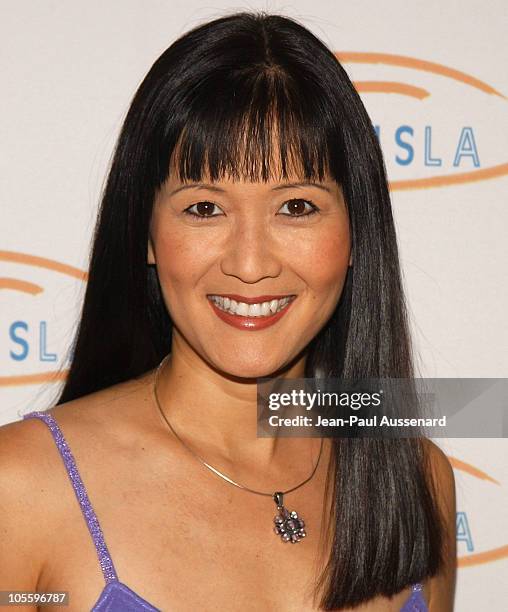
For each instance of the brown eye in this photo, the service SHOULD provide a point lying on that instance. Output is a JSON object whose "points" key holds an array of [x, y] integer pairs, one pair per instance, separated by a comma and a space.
{"points": [[202, 210], [298, 207]]}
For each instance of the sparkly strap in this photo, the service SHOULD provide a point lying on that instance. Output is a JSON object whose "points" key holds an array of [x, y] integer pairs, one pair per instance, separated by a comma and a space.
{"points": [[94, 527], [416, 603]]}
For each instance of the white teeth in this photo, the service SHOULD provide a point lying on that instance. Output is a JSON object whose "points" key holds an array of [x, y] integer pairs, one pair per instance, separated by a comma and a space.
{"points": [[265, 308], [242, 309], [254, 310], [250, 310]]}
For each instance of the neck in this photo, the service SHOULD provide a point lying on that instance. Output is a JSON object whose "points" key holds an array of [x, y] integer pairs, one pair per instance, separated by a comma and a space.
{"points": [[216, 415]]}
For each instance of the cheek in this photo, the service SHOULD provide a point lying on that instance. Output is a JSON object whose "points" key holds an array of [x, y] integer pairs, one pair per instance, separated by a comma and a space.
{"points": [[182, 258], [322, 260]]}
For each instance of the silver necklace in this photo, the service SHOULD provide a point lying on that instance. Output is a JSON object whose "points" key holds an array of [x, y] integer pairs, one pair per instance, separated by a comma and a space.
{"points": [[288, 525]]}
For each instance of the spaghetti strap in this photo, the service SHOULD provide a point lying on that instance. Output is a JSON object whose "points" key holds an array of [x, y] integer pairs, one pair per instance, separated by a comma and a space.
{"points": [[92, 522], [416, 602]]}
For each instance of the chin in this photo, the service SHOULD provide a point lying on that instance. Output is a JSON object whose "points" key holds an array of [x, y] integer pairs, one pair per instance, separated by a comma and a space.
{"points": [[249, 369], [250, 372]]}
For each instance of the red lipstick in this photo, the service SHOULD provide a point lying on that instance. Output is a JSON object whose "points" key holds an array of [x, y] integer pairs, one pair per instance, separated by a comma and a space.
{"points": [[251, 323]]}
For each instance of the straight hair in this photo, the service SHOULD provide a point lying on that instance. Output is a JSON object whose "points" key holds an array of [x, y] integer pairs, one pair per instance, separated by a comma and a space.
{"points": [[222, 100]]}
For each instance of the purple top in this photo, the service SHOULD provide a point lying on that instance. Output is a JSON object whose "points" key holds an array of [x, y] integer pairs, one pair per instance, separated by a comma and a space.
{"points": [[117, 596]]}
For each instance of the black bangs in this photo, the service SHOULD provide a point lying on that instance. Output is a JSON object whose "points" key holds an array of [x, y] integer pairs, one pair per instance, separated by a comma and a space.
{"points": [[258, 126]]}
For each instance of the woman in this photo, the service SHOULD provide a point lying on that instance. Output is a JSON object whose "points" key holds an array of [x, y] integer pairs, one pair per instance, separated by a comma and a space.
{"points": [[245, 231]]}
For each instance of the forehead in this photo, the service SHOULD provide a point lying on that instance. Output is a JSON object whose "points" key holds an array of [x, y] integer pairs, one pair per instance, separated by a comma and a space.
{"points": [[229, 181], [247, 155], [249, 188], [290, 173], [293, 174]]}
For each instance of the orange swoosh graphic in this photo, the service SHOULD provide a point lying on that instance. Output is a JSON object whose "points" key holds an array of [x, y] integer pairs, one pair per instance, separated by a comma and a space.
{"points": [[450, 179], [391, 87], [484, 557], [418, 64], [43, 262], [33, 379], [470, 469], [20, 285]]}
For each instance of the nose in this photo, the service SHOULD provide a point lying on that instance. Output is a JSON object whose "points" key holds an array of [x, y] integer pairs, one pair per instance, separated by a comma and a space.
{"points": [[251, 253]]}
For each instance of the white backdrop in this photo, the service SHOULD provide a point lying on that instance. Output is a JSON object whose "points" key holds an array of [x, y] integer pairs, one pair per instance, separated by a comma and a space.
{"points": [[432, 75]]}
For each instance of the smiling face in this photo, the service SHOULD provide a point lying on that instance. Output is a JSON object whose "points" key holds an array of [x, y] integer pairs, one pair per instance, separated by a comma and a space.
{"points": [[250, 271]]}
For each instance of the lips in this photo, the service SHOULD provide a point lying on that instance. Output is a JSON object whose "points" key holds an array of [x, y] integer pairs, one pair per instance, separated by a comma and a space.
{"points": [[250, 313]]}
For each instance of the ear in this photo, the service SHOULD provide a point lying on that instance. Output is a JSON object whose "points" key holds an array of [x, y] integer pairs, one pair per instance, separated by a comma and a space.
{"points": [[150, 255]]}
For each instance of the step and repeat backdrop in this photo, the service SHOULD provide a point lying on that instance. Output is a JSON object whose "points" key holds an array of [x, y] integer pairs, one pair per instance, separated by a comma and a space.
{"points": [[433, 77]]}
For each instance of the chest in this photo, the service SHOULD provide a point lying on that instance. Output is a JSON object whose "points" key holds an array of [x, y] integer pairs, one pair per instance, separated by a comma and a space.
{"points": [[183, 539], [187, 545]]}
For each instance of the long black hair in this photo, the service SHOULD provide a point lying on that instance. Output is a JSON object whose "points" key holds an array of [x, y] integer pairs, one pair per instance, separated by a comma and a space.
{"points": [[217, 96]]}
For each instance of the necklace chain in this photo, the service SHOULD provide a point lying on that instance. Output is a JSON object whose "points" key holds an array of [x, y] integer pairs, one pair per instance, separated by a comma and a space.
{"points": [[216, 471]]}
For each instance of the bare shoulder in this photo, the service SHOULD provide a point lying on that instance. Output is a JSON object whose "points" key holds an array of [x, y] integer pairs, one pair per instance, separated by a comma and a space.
{"points": [[442, 586], [21, 457], [23, 516], [21, 441], [441, 469], [443, 479], [107, 409], [34, 489]]}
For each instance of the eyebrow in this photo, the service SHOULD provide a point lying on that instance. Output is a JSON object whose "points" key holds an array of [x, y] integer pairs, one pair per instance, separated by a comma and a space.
{"points": [[212, 187]]}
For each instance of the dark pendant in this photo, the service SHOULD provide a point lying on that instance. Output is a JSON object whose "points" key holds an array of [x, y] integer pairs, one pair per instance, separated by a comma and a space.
{"points": [[288, 525]]}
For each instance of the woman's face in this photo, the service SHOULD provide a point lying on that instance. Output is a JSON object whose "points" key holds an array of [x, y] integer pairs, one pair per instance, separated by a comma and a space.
{"points": [[220, 247]]}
